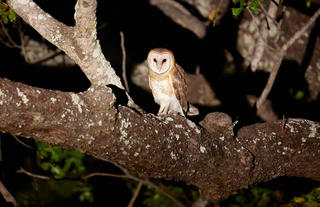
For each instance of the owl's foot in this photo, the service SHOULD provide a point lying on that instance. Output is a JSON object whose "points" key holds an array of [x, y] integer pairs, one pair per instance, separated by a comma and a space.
{"points": [[160, 113]]}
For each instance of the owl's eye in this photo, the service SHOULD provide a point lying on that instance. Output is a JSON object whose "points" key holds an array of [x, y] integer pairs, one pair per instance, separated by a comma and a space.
{"points": [[164, 60], [154, 60]]}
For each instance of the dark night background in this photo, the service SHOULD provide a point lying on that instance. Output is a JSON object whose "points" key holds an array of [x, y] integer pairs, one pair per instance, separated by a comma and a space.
{"points": [[145, 27]]}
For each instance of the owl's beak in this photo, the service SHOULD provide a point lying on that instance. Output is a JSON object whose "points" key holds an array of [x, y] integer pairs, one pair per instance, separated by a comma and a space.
{"points": [[159, 65]]}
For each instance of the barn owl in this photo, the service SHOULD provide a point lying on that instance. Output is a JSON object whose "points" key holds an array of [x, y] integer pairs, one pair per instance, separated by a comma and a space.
{"points": [[168, 84]]}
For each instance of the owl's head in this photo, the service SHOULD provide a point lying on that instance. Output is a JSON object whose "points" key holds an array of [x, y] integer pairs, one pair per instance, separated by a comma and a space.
{"points": [[160, 60]]}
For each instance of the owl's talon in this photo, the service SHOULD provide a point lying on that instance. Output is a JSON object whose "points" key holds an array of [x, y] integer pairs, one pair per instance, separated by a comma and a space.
{"points": [[161, 114], [171, 112]]}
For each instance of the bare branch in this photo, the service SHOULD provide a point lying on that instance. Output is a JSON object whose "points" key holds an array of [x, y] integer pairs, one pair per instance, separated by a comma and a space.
{"points": [[267, 14], [10, 43], [135, 195], [127, 175], [142, 181], [271, 80], [181, 16], [48, 27], [280, 56], [124, 73], [6, 194], [104, 174], [21, 142], [299, 33], [21, 170]]}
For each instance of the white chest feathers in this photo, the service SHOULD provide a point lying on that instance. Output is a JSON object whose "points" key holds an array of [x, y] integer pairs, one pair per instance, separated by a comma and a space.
{"points": [[164, 96]]}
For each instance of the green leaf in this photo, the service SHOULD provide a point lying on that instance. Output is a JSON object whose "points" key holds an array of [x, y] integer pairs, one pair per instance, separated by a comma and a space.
{"points": [[299, 95], [3, 6], [45, 165], [299, 199], [235, 1], [86, 195], [236, 11], [242, 3], [254, 10], [12, 15], [57, 171], [308, 4], [5, 19]]}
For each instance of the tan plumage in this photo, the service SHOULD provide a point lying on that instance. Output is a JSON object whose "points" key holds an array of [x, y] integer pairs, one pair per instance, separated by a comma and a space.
{"points": [[168, 84]]}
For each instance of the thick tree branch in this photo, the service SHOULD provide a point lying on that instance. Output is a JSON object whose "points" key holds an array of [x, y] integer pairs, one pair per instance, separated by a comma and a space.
{"points": [[181, 16], [78, 42], [170, 147]]}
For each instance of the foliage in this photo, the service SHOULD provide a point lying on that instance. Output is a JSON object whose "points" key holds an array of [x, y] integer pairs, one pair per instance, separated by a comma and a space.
{"points": [[256, 196], [262, 197], [308, 3], [252, 5], [184, 194], [6, 13], [54, 193], [63, 164], [155, 199], [58, 161], [311, 199]]}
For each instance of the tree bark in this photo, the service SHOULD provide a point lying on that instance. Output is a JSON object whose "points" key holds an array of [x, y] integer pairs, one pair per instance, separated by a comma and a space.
{"points": [[169, 147]]}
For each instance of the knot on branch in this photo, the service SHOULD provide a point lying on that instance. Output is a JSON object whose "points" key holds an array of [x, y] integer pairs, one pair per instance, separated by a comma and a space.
{"points": [[218, 122]]}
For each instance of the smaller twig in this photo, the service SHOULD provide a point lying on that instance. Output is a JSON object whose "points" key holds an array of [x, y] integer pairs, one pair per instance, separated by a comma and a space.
{"points": [[11, 44], [135, 195], [277, 37], [5, 43], [280, 56], [178, 203], [143, 181], [22, 41], [271, 80], [283, 125], [21, 170], [275, 2], [267, 14], [104, 174], [6, 194], [127, 175], [197, 70], [299, 33], [21, 142], [124, 73]]}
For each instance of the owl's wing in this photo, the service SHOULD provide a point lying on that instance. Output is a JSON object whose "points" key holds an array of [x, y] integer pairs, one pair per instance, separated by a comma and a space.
{"points": [[180, 87]]}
